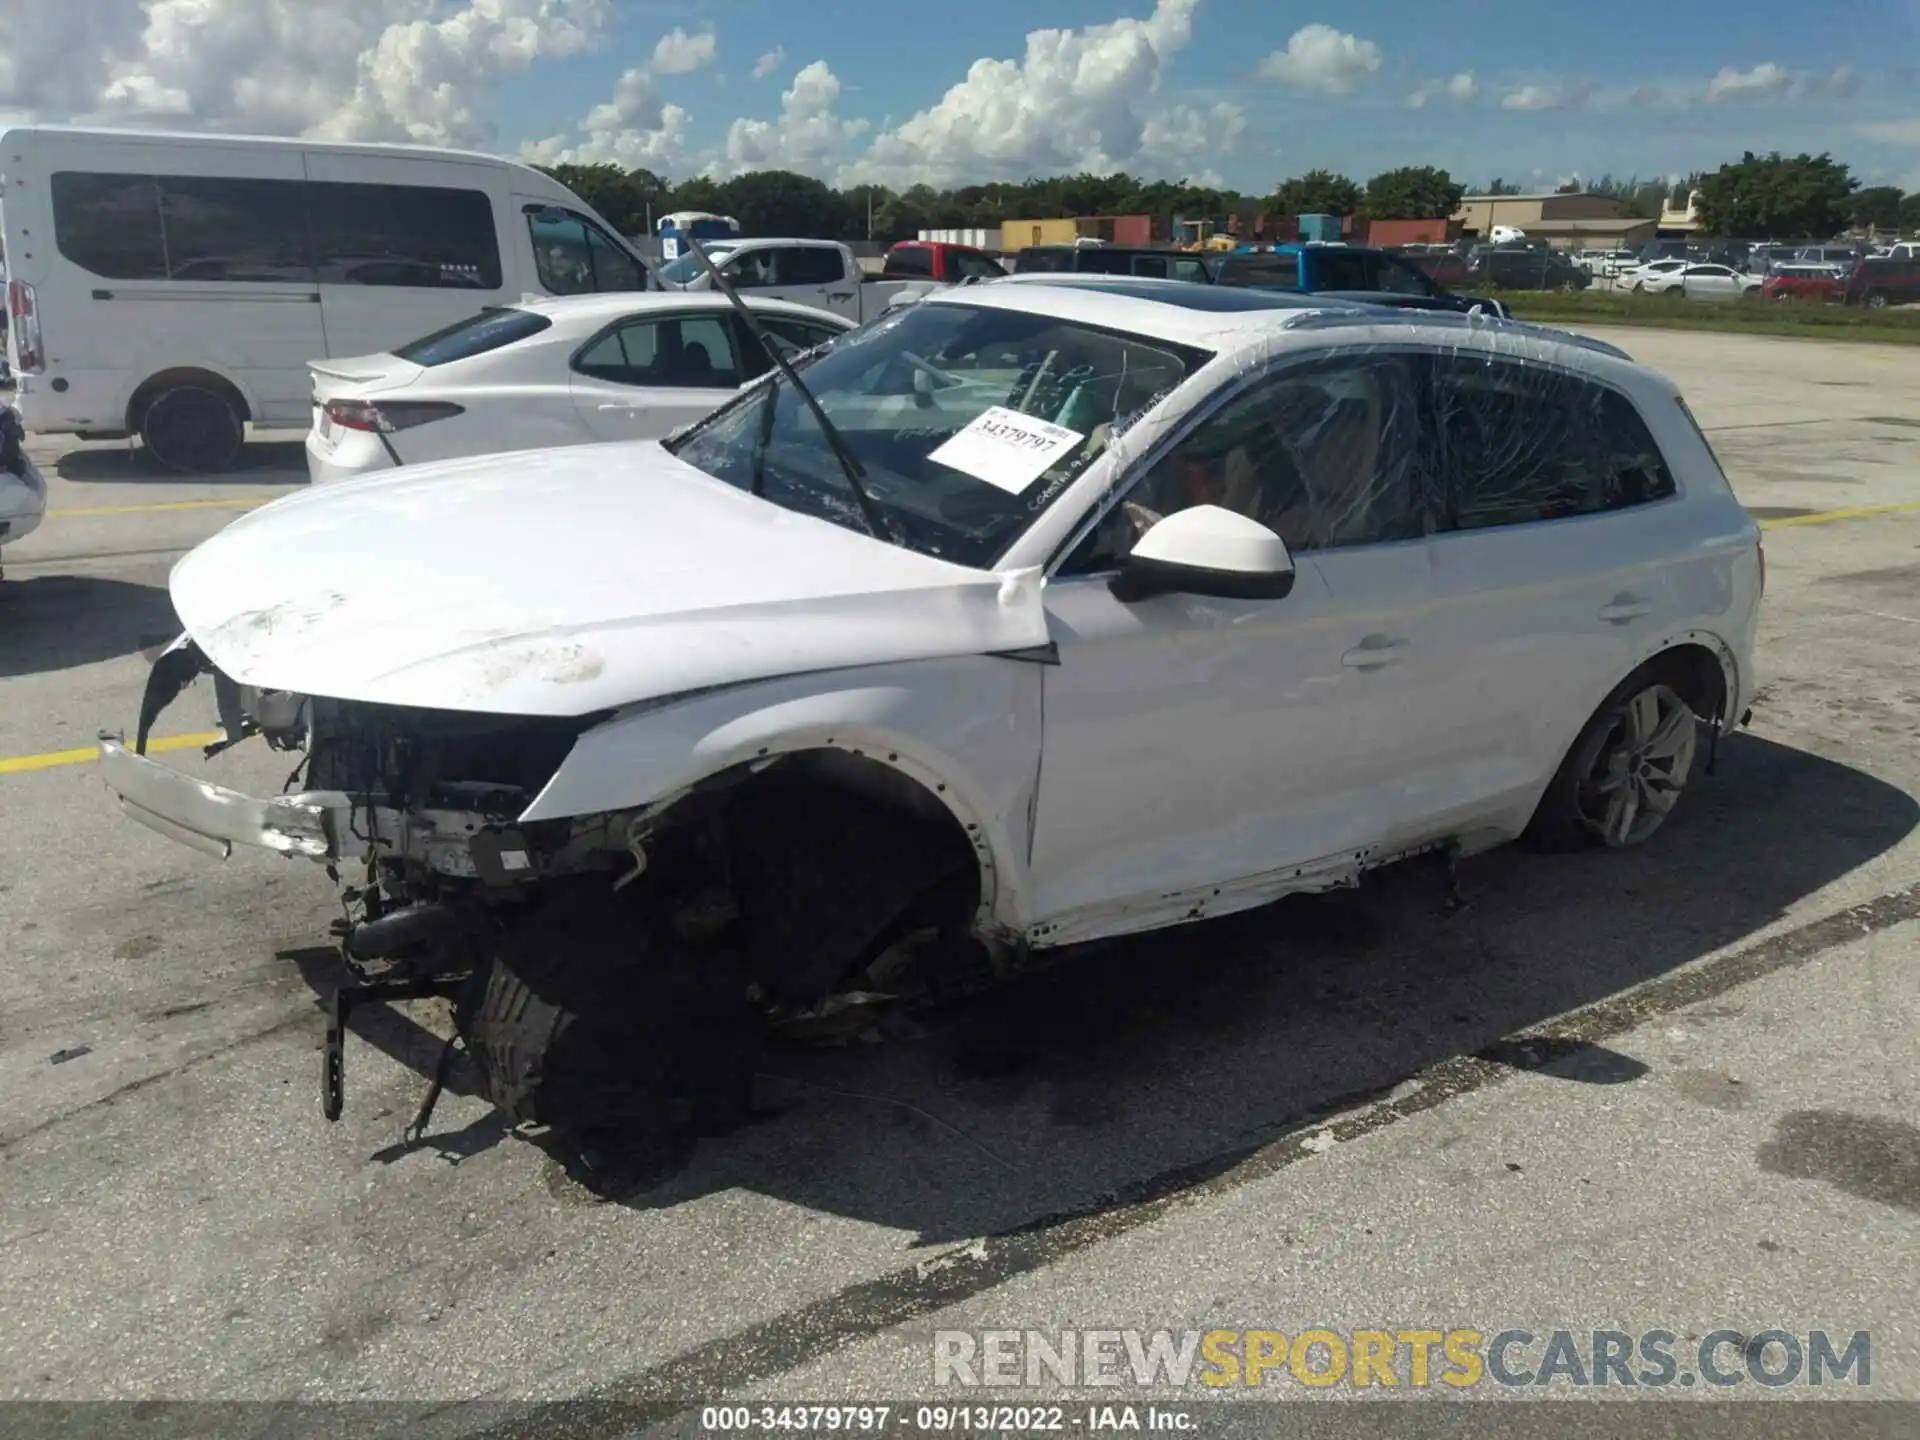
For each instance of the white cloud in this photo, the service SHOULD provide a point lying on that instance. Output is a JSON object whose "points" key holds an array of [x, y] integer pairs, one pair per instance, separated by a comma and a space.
{"points": [[1568, 95], [634, 129], [1079, 99], [1892, 132], [387, 70], [1763, 82], [807, 137], [1461, 89], [769, 62], [679, 53], [1319, 57]]}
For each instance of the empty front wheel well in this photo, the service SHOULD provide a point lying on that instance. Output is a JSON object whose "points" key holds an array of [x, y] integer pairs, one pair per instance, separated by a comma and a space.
{"points": [[155, 386], [831, 855]]}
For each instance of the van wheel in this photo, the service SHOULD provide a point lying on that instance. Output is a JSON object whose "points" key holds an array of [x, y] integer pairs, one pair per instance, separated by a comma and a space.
{"points": [[190, 427], [1624, 775]]}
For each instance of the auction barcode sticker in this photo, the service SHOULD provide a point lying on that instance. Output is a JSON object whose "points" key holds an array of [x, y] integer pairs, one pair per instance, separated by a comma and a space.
{"points": [[1006, 449]]}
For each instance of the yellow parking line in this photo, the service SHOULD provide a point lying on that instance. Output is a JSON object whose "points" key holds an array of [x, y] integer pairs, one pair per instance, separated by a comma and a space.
{"points": [[53, 758], [1823, 517], [82, 511]]}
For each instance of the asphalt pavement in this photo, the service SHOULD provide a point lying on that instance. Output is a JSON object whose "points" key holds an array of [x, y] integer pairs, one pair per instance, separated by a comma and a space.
{"points": [[1673, 1089]]}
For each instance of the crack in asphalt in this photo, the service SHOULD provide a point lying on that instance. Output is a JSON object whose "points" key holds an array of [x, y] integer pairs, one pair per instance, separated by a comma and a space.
{"points": [[663, 1392]]}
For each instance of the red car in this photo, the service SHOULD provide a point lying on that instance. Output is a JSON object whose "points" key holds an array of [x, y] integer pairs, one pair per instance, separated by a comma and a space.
{"points": [[1814, 283]]}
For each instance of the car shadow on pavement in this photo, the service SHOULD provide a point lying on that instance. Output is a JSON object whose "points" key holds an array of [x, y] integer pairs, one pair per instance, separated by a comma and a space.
{"points": [[262, 462], [58, 622], [1177, 1052]]}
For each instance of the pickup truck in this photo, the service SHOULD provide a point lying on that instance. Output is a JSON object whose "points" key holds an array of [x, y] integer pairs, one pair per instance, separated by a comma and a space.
{"points": [[936, 260], [820, 273]]}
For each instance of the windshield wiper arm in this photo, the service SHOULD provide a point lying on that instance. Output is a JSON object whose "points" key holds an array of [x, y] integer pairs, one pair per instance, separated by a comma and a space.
{"points": [[849, 462], [769, 403]]}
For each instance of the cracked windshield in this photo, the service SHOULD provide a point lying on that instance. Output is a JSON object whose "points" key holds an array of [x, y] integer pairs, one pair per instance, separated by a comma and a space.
{"points": [[1060, 718]]}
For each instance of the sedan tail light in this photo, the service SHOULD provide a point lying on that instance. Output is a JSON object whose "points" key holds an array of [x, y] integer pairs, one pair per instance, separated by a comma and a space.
{"points": [[384, 417], [24, 317]]}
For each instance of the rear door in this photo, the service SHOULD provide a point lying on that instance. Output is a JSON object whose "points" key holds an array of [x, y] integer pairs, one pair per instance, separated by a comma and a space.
{"points": [[1551, 563], [642, 377], [403, 247]]}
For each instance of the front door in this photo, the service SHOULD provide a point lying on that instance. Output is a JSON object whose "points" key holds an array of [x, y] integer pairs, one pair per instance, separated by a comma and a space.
{"points": [[643, 377], [804, 274], [1193, 742]]}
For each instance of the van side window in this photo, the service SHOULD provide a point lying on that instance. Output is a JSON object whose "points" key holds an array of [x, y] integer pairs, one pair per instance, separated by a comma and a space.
{"points": [[573, 256], [1514, 443], [109, 225], [238, 231], [418, 236]]}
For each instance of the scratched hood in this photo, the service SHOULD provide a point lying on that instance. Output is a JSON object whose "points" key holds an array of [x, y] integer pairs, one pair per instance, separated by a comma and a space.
{"points": [[561, 582]]}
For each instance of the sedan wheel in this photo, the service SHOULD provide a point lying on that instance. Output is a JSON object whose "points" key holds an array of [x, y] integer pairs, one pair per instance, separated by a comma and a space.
{"points": [[1635, 768]]}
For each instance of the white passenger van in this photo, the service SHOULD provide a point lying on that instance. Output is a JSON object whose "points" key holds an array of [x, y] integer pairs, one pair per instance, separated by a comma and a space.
{"points": [[175, 286]]}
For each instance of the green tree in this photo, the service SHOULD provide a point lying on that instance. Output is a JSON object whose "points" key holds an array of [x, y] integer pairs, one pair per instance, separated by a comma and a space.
{"points": [[781, 202], [1910, 214], [696, 193], [1413, 192], [629, 199], [1791, 197], [1318, 192], [1877, 208]]}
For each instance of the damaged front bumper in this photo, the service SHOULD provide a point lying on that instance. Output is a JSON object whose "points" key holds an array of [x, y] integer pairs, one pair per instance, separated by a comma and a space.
{"points": [[214, 819]]}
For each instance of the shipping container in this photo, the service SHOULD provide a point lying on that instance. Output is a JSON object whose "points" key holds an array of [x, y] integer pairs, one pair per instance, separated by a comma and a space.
{"points": [[1319, 227], [1385, 233], [977, 238], [1017, 235], [1133, 230]]}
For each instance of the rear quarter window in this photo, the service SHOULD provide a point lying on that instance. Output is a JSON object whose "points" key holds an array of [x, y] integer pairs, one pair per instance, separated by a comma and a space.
{"points": [[476, 335]]}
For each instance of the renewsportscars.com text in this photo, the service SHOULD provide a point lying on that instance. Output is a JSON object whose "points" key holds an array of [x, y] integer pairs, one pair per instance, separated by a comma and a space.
{"points": [[1409, 1358]]}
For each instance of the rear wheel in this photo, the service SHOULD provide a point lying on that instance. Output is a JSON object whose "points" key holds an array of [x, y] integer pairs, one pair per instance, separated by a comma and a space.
{"points": [[1625, 773], [1877, 299], [192, 428]]}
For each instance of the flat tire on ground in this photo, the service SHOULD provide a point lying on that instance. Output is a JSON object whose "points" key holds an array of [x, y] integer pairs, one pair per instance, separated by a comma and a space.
{"points": [[581, 1019]]}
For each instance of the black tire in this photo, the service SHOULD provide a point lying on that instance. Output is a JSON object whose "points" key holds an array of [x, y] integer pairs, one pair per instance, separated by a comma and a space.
{"points": [[581, 1019], [192, 428], [1562, 820]]}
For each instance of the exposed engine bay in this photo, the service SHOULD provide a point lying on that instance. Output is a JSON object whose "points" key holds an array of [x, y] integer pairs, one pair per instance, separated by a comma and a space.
{"points": [[610, 973]]}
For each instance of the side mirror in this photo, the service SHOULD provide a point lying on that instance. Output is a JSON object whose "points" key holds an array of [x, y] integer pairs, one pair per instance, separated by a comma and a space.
{"points": [[1206, 550]]}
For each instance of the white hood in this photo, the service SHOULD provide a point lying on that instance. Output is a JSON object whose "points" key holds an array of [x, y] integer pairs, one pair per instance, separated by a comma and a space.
{"points": [[559, 582]]}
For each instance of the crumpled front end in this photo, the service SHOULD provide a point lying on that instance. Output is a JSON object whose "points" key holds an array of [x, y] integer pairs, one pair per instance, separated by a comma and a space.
{"points": [[434, 793]]}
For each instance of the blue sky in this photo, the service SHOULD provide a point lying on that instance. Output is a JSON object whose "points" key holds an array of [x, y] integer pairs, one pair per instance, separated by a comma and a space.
{"points": [[948, 92], [892, 60]]}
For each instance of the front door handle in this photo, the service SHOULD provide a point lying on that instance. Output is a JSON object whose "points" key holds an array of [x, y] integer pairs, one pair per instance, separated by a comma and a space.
{"points": [[1373, 652], [612, 408], [1625, 608]]}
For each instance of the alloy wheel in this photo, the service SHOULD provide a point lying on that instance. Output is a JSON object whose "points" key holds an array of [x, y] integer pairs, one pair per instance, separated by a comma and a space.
{"points": [[1639, 767]]}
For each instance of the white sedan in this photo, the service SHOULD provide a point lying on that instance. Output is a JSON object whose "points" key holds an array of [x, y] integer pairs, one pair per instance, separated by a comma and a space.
{"points": [[623, 366], [1698, 282]]}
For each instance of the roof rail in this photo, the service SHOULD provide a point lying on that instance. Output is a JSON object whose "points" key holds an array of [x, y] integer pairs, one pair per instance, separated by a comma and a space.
{"points": [[1330, 319]]}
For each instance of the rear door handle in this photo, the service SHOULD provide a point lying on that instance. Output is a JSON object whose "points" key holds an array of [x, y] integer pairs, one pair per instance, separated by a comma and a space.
{"points": [[1373, 652], [1625, 608], [615, 409]]}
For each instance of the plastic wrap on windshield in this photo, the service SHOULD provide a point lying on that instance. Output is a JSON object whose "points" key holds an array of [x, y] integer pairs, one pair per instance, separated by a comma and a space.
{"points": [[1383, 440]]}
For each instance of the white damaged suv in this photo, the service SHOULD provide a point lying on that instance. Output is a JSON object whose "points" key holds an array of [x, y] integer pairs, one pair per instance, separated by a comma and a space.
{"points": [[1044, 612]]}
